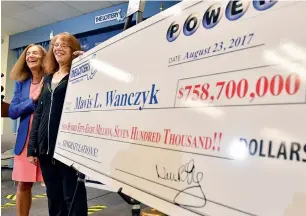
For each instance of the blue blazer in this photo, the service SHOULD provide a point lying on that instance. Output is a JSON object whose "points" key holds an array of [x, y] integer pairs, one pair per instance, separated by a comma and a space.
{"points": [[22, 107]]}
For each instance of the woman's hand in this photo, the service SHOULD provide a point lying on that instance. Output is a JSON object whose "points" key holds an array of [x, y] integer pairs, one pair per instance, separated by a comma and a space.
{"points": [[38, 92], [78, 53], [33, 160]]}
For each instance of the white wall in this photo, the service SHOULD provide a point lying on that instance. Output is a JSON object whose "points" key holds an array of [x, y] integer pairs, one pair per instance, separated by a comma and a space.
{"points": [[4, 54], [8, 58]]}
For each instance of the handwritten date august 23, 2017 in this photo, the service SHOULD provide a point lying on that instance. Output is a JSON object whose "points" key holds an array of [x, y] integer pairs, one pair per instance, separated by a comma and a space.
{"points": [[186, 174], [236, 43]]}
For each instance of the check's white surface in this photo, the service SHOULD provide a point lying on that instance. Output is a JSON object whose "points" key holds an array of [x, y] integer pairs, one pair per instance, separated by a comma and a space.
{"points": [[222, 149]]}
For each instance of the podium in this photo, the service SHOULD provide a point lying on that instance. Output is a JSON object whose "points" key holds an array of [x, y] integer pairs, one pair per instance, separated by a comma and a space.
{"points": [[4, 109]]}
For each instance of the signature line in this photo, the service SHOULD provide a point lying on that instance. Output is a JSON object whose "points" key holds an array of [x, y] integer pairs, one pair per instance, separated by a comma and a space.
{"points": [[208, 200], [132, 186]]}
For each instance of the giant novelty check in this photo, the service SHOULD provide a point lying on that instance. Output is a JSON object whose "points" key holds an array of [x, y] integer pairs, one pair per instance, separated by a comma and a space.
{"points": [[199, 110]]}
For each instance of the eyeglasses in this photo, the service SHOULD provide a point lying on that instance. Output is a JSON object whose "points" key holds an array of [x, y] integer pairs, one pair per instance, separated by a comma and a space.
{"points": [[34, 53], [63, 46]]}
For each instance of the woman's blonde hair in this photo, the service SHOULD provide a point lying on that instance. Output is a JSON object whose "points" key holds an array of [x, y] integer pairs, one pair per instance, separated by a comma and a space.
{"points": [[21, 71], [50, 63]]}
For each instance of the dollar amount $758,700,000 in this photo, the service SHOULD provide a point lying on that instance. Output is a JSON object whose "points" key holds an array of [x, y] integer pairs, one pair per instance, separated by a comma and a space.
{"points": [[277, 85]]}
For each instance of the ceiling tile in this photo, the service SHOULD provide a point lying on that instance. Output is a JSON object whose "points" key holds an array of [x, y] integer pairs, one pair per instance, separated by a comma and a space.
{"points": [[88, 6], [57, 10], [31, 4], [31, 16], [11, 7], [12, 26]]}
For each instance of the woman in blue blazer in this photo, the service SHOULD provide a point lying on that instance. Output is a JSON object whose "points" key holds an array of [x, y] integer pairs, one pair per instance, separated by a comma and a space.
{"points": [[28, 74]]}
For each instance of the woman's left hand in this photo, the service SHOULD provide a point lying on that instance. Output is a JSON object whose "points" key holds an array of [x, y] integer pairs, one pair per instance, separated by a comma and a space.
{"points": [[32, 160], [78, 53]]}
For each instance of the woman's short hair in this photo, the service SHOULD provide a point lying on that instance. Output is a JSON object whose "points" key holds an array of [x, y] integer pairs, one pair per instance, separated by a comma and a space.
{"points": [[50, 63], [21, 71]]}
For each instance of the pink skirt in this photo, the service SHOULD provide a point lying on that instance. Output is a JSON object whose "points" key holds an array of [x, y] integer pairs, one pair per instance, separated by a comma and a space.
{"points": [[23, 170]]}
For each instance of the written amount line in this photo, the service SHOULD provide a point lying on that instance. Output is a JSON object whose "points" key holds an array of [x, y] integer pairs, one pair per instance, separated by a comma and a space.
{"points": [[142, 145]]}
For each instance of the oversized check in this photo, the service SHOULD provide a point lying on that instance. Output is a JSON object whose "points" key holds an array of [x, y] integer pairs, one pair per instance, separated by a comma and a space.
{"points": [[199, 110]]}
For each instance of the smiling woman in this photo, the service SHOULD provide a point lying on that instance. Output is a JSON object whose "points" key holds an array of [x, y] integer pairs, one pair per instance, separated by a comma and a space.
{"points": [[28, 73], [31, 58], [61, 53], [60, 179]]}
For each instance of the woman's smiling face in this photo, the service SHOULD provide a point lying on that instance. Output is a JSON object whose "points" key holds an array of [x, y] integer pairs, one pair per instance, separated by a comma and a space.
{"points": [[62, 51]]}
